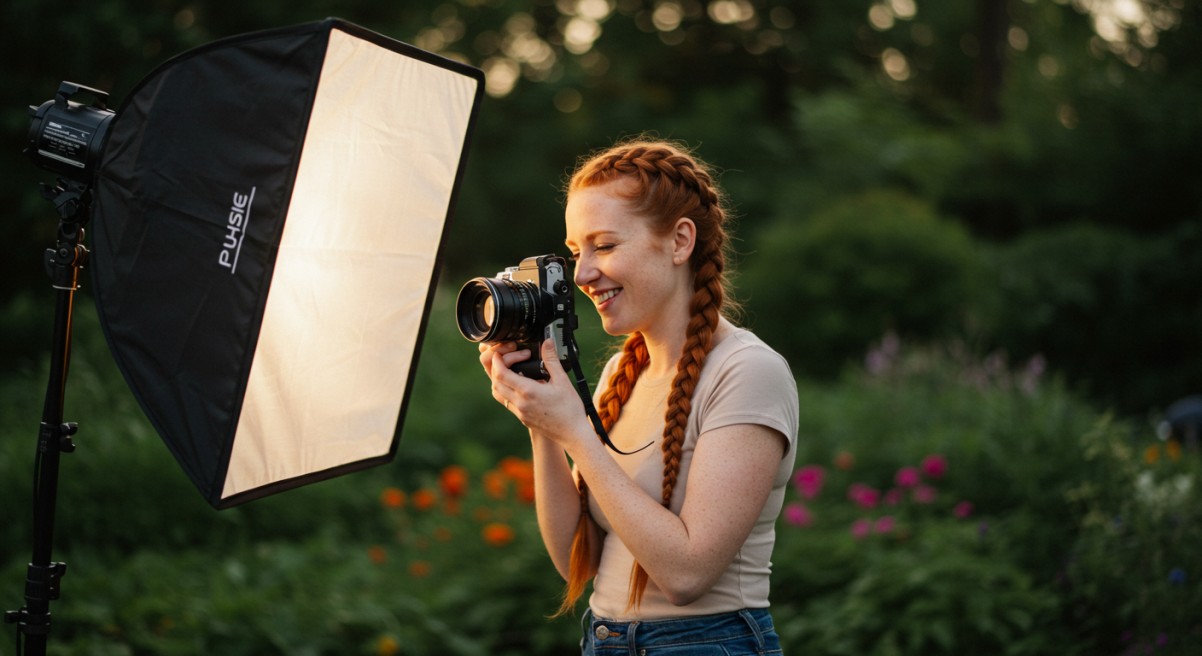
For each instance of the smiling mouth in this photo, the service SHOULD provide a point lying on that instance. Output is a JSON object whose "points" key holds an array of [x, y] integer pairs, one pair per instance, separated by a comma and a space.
{"points": [[603, 297]]}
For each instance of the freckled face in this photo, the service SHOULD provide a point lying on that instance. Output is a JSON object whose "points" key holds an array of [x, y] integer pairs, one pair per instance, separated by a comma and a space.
{"points": [[623, 266]]}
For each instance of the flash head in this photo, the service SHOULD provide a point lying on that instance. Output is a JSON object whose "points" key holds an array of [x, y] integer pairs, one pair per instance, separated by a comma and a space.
{"points": [[67, 137]]}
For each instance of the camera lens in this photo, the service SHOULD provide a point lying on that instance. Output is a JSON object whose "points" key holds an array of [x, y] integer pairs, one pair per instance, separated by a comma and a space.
{"points": [[492, 310]]}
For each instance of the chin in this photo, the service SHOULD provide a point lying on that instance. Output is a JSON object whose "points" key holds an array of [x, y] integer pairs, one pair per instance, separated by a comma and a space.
{"points": [[614, 328]]}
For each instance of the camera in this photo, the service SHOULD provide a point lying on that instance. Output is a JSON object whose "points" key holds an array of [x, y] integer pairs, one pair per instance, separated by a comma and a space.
{"points": [[526, 304]]}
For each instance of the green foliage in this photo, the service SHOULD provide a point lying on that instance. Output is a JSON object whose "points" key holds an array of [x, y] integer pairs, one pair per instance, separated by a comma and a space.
{"points": [[1137, 298], [822, 287], [1135, 566]]}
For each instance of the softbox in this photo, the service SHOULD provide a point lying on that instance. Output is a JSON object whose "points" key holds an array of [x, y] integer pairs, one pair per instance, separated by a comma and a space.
{"points": [[269, 216]]}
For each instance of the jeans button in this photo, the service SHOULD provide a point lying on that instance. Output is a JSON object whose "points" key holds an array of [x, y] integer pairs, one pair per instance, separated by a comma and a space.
{"points": [[602, 632]]}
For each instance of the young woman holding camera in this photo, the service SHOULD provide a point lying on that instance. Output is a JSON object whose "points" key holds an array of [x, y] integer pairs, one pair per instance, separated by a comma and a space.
{"points": [[674, 572]]}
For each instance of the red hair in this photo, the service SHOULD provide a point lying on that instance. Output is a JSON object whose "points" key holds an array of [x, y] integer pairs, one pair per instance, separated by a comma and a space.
{"points": [[669, 183]]}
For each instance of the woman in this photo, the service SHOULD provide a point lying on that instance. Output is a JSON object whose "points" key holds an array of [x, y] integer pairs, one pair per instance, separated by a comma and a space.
{"points": [[676, 572]]}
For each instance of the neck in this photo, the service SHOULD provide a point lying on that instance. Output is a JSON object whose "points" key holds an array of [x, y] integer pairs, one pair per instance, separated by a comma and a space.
{"points": [[666, 338]]}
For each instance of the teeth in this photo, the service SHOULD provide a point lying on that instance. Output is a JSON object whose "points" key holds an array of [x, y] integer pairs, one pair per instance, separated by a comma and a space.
{"points": [[608, 295]]}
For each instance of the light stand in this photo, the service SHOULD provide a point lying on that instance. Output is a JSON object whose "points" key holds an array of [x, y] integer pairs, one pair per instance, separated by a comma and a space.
{"points": [[63, 262]]}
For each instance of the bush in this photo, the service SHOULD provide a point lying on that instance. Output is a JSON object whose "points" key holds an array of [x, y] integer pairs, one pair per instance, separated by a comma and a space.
{"points": [[822, 288], [1120, 314]]}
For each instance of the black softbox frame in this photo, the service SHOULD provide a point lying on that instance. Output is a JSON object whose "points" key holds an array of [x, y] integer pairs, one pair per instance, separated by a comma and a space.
{"points": [[242, 184]]}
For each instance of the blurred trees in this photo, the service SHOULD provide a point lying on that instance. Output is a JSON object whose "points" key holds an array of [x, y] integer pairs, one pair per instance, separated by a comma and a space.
{"points": [[1009, 116]]}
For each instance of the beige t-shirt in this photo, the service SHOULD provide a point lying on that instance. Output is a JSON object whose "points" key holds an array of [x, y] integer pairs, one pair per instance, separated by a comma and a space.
{"points": [[743, 382]]}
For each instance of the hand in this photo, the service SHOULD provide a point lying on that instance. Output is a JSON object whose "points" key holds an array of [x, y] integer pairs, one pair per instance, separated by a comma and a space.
{"points": [[508, 352], [551, 408]]}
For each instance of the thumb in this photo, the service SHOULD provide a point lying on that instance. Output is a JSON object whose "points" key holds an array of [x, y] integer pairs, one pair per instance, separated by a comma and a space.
{"points": [[551, 360]]}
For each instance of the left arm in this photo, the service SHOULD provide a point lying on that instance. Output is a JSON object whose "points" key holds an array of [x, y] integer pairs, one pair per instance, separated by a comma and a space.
{"points": [[730, 479]]}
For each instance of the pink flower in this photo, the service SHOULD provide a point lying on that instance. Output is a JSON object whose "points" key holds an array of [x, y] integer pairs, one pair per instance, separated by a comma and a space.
{"points": [[864, 496], [934, 466], [924, 494], [798, 515], [893, 497], [962, 509], [809, 480], [885, 524], [907, 477], [861, 528]]}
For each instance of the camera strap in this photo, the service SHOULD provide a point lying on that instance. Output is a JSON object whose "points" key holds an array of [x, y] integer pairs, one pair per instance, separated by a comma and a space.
{"points": [[587, 396]]}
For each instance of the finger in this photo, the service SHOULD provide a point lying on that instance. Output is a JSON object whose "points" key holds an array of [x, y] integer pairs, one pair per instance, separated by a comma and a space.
{"points": [[551, 361], [517, 356]]}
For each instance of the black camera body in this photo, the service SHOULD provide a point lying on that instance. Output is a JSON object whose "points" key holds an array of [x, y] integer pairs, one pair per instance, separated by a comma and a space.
{"points": [[526, 304]]}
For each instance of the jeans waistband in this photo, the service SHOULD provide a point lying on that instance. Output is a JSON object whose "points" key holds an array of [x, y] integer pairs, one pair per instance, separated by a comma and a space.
{"points": [[696, 629]]}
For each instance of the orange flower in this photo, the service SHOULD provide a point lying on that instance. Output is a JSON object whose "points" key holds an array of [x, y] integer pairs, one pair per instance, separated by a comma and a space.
{"points": [[517, 469], [526, 492], [453, 481], [442, 533], [451, 507], [392, 498], [496, 484], [419, 569], [844, 460], [497, 535], [1173, 450], [1152, 454], [424, 499], [482, 514], [377, 555], [387, 646]]}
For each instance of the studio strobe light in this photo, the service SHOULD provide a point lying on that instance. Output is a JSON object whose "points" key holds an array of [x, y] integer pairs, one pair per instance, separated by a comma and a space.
{"points": [[268, 216]]}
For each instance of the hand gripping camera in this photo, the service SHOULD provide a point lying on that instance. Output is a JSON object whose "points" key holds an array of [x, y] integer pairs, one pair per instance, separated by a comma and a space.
{"points": [[528, 304]]}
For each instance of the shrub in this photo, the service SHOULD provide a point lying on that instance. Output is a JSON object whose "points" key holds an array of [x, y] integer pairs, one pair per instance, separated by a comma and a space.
{"points": [[822, 288], [1119, 313]]}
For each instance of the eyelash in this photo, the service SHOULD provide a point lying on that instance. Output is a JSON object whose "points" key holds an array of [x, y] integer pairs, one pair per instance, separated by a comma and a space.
{"points": [[575, 257]]}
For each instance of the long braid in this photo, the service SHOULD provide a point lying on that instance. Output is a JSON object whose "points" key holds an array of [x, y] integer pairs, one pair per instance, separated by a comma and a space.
{"points": [[621, 385], [671, 184]]}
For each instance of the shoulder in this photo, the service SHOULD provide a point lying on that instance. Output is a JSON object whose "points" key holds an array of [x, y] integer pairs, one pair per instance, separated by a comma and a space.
{"points": [[741, 355]]}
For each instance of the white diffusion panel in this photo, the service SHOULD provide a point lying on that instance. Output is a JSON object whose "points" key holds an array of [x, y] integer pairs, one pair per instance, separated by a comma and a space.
{"points": [[354, 266]]}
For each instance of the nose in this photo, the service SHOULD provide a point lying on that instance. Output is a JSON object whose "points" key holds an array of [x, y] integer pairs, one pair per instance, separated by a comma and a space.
{"points": [[586, 272]]}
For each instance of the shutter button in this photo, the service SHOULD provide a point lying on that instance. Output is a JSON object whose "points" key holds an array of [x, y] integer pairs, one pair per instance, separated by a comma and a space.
{"points": [[602, 632]]}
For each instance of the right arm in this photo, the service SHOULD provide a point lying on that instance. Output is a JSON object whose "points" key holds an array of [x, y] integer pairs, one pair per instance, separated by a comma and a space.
{"points": [[556, 499]]}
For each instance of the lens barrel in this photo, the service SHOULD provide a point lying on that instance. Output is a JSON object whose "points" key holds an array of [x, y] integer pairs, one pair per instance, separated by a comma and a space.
{"points": [[496, 310]]}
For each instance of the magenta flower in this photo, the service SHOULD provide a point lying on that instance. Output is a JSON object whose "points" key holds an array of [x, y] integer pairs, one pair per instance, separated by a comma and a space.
{"points": [[924, 494], [861, 528], [934, 466], [907, 477], [962, 509], [798, 515], [809, 480], [893, 497], [885, 524], [864, 496]]}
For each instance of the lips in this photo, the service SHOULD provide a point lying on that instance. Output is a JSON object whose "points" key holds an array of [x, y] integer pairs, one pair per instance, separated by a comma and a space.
{"points": [[604, 299]]}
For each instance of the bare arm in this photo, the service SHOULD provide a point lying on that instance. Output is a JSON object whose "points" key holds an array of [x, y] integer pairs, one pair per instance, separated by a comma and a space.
{"points": [[556, 499], [730, 479], [557, 503]]}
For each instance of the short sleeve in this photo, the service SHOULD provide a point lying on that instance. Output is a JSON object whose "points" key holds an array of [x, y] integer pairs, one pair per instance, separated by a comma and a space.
{"points": [[753, 385]]}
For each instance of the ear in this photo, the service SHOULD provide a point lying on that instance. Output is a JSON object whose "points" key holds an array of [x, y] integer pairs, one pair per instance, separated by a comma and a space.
{"points": [[684, 238]]}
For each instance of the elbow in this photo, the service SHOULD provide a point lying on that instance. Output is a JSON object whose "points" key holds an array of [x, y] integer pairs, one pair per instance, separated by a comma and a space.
{"points": [[686, 591]]}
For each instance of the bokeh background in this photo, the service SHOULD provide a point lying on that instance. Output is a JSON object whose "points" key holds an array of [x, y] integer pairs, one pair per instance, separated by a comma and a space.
{"points": [[974, 227]]}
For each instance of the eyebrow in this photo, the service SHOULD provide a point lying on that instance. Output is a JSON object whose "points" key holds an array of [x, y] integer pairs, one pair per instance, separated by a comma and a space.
{"points": [[592, 235]]}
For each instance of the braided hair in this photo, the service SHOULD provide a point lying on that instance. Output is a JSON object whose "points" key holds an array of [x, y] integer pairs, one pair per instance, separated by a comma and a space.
{"points": [[669, 184]]}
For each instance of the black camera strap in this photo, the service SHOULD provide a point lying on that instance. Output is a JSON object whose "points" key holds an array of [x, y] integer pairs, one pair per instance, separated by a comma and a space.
{"points": [[587, 396]]}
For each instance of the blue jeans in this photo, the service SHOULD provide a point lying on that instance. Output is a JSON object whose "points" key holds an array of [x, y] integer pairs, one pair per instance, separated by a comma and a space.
{"points": [[745, 632]]}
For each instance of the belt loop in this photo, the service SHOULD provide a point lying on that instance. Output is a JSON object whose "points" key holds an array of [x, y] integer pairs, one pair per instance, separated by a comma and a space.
{"points": [[755, 628], [630, 641]]}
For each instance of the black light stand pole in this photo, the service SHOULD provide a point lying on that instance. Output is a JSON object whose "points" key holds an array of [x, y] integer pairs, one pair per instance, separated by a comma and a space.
{"points": [[63, 262]]}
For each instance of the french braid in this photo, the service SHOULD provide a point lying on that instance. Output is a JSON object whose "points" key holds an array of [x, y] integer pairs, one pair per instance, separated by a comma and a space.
{"points": [[670, 184]]}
